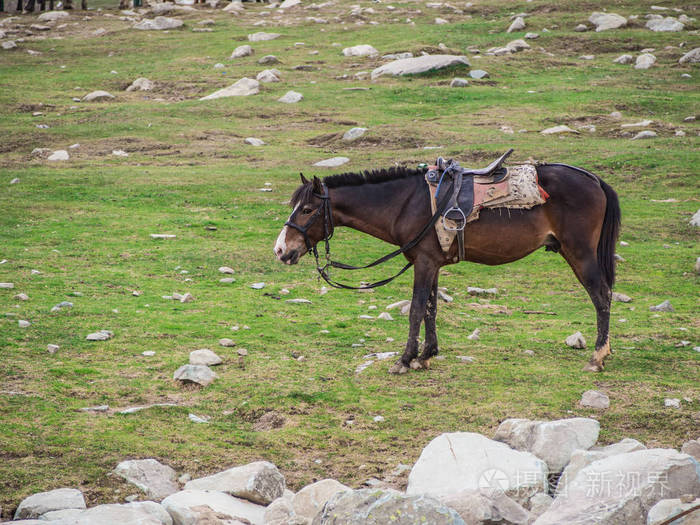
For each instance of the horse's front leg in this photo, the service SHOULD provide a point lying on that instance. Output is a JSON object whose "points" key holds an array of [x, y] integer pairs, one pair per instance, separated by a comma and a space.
{"points": [[423, 277]]}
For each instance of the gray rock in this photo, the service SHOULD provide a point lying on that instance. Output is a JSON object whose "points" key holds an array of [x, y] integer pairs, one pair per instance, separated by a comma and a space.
{"points": [[226, 270], [158, 481], [672, 403], [7, 286], [662, 307], [666, 509], [257, 286], [487, 506], [380, 507], [354, 133], [287, 4], [638, 480], [360, 51], [459, 82], [97, 96], [551, 441], [52, 348], [268, 75], [581, 28], [52, 16], [606, 21], [43, 502], [665, 24], [24, 324], [268, 59], [61, 305], [478, 74], [621, 298], [242, 88], [136, 513], [532, 36], [197, 507], [99, 408], [459, 461], [645, 61], [624, 59], [692, 448], [691, 57], [332, 162], [595, 399], [65, 515], [422, 64], [539, 503], [517, 25], [140, 84], [260, 482], [397, 56], [291, 97], [8, 44], [309, 500], [262, 36], [204, 357], [253, 142], [200, 374], [242, 51], [695, 220], [159, 23], [517, 45], [298, 301], [281, 512], [646, 134], [576, 340], [556, 130], [58, 155], [475, 290], [102, 335], [385, 316]]}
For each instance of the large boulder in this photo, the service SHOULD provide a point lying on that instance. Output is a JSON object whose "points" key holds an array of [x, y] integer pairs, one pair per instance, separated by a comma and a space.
{"points": [[669, 23], [243, 88], [606, 21], [195, 507], [422, 64], [308, 501], [580, 459], [137, 513], [487, 506], [158, 24], [667, 508], [622, 488], [381, 507], [259, 482], [551, 441], [43, 502], [158, 481], [460, 461]]}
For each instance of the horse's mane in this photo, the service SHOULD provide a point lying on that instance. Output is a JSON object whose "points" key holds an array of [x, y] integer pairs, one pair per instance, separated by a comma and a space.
{"points": [[304, 192]]}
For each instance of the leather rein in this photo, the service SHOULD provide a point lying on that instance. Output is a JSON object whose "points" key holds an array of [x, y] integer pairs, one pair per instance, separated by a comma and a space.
{"points": [[328, 229]]}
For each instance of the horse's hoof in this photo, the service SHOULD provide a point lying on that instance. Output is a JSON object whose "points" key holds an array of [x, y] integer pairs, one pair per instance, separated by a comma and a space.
{"points": [[398, 368], [416, 364], [593, 367]]}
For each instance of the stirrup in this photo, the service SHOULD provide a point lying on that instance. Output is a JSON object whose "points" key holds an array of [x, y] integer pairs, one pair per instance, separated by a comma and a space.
{"points": [[456, 228]]}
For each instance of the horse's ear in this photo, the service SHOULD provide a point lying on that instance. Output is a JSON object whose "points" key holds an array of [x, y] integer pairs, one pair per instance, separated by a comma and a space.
{"points": [[303, 179], [318, 185]]}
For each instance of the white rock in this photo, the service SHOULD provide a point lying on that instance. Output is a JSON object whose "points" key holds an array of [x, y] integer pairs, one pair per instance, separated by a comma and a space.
{"points": [[517, 25], [159, 23], [65, 515], [102, 335], [254, 142], [242, 88], [606, 21], [645, 61], [517, 45], [298, 301], [97, 96], [594, 399], [459, 461], [558, 129], [638, 480], [119, 153], [667, 508], [52, 348], [621, 298], [694, 221], [140, 84], [422, 64], [691, 57], [59, 155], [386, 316], [192, 507], [154, 478], [291, 97], [260, 482], [474, 336], [332, 162], [226, 269], [8, 44], [200, 374], [487, 506], [672, 403], [136, 513], [242, 51], [162, 236], [459, 82], [24, 324], [624, 59], [287, 4], [228, 343], [360, 51], [267, 76], [308, 501], [234, 6], [441, 21], [665, 24], [646, 134], [204, 356], [52, 16], [662, 307], [551, 441], [354, 133], [7, 286], [257, 286], [576, 340], [262, 36], [43, 502], [399, 304]]}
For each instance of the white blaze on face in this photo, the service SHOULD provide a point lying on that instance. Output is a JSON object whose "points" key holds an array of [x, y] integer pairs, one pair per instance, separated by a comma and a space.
{"points": [[281, 243]]}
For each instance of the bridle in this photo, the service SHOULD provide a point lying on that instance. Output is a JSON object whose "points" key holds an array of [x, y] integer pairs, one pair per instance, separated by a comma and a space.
{"points": [[328, 228]]}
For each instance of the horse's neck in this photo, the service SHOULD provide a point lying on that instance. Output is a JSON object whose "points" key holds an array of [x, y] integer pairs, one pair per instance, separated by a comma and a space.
{"points": [[372, 208]]}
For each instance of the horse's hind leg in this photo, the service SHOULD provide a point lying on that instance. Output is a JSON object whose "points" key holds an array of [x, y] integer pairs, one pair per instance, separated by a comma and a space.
{"points": [[592, 279], [430, 348]]}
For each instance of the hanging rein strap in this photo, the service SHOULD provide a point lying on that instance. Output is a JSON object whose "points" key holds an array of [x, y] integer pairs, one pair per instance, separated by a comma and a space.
{"points": [[406, 247]]}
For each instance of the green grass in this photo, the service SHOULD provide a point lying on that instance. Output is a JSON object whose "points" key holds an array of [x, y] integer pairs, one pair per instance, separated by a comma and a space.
{"points": [[85, 225]]}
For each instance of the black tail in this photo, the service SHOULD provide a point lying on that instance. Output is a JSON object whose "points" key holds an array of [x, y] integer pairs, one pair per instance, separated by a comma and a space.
{"points": [[608, 234]]}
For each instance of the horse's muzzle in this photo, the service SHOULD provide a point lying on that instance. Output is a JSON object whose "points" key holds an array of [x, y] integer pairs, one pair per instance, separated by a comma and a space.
{"points": [[291, 257]]}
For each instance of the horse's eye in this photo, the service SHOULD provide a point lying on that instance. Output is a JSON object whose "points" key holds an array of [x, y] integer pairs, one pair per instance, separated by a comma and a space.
{"points": [[306, 211]]}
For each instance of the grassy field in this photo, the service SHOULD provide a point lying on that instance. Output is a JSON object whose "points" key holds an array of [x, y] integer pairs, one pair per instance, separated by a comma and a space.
{"points": [[84, 224]]}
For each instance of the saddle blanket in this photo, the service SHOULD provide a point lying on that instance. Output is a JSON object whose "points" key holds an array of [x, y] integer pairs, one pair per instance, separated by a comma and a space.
{"points": [[519, 189]]}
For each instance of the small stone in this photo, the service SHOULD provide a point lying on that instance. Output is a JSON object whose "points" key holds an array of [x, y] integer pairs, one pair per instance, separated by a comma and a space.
{"points": [[140, 84], [459, 82], [474, 336], [61, 305], [227, 280], [662, 307], [558, 129], [7, 286], [607, 21], [226, 269], [576, 340], [291, 97], [204, 357], [148, 353], [386, 316], [354, 133], [517, 25], [59, 155], [645, 61], [378, 419], [119, 153], [581, 28], [242, 88], [242, 51], [646, 134], [268, 59], [441, 21], [475, 290], [38, 504], [198, 419], [24, 324], [97, 96], [624, 59], [99, 408], [14, 181], [595, 399], [102, 335], [254, 142], [532, 36], [621, 298], [360, 51], [257, 286], [52, 348], [332, 162], [691, 57], [465, 358], [442, 295], [262, 36], [298, 301], [8, 44], [162, 236], [529, 353], [478, 74], [268, 75], [159, 23], [227, 342], [667, 24], [672, 403], [200, 374]]}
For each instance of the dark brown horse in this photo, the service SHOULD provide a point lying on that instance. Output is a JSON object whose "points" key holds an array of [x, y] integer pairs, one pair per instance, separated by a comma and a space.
{"points": [[581, 220]]}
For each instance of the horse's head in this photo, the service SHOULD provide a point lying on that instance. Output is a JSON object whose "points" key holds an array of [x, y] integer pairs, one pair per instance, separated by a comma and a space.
{"points": [[308, 224]]}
